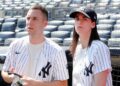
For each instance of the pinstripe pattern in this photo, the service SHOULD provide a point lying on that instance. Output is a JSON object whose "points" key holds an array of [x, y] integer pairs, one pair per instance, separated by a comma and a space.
{"points": [[90, 61], [18, 56]]}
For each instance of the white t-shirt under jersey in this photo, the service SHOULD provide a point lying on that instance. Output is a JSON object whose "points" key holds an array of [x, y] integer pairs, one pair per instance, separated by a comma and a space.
{"points": [[90, 61], [34, 50]]}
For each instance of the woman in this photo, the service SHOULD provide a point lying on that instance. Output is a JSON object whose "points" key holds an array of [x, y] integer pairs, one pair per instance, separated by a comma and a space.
{"points": [[91, 57]]}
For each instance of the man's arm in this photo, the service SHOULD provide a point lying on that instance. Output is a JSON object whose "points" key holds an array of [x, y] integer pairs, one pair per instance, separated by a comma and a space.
{"points": [[31, 82], [8, 78]]}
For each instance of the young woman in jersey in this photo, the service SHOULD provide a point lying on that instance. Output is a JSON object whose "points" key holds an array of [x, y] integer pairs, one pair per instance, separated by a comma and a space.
{"points": [[91, 57]]}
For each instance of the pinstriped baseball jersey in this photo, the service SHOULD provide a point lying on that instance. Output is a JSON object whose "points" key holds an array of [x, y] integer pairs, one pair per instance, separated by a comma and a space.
{"points": [[90, 61], [51, 64]]}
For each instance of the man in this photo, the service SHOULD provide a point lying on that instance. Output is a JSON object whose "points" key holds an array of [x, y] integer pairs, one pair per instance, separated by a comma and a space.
{"points": [[38, 60]]}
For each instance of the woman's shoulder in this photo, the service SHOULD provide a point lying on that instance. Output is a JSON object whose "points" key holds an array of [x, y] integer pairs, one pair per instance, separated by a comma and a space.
{"points": [[97, 44]]}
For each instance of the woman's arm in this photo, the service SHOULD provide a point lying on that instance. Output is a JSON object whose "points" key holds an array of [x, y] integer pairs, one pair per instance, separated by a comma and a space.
{"points": [[101, 78]]}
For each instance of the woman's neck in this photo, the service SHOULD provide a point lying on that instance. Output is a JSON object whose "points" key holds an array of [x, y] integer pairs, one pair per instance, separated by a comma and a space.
{"points": [[84, 39]]}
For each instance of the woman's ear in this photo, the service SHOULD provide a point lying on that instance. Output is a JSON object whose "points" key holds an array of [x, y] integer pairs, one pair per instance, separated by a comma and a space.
{"points": [[93, 25]]}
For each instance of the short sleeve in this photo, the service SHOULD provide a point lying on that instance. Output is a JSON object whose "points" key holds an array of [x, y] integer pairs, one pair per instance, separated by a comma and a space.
{"points": [[102, 59], [60, 70], [8, 61]]}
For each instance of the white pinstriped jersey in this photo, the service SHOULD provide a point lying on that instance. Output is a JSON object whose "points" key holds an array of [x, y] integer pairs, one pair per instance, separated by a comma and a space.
{"points": [[90, 61], [51, 64]]}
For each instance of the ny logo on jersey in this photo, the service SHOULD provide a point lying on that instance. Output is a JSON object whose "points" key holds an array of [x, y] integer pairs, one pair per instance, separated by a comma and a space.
{"points": [[45, 70], [88, 69]]}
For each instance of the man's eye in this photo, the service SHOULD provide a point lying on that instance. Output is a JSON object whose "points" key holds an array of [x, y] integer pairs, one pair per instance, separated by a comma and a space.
{"points": [[34, 18], [28, 18]]}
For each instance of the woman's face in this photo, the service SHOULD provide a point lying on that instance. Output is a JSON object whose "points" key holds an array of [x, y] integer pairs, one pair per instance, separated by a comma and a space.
{"points": [[83, 24]]}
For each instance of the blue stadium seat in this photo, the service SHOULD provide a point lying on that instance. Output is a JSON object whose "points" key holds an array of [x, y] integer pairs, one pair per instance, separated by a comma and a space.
{"points": [[8, 12], [108, 27], [69, 22], [107, 21], [104, 33], [8, 41], [1, 20], [102, 16], [47, 34], [7, 34], [11, 20], [0, 26], [18, 11], [57, 40], [21, 34], [56, 22], [114, 42], [115, 16], [8, 26], [60, 34], [51, 28], [21, 23], [67, 41], [115, 34], [117, 27], [118, 21], [66, 28]]}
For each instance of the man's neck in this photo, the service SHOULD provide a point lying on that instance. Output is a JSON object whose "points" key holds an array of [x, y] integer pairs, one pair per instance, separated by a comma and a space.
{"points": [[36, 39]]}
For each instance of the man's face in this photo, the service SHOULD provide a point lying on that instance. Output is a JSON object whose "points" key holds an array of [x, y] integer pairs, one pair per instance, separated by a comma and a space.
{"points": [[35, 22]]}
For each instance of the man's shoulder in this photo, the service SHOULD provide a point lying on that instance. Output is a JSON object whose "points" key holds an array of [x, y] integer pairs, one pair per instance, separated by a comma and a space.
{"points": [[51, 44], [20, 40]]}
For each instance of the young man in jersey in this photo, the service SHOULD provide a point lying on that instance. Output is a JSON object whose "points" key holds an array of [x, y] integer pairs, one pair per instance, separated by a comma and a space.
{"points": [[39, 61], [91, 57]]}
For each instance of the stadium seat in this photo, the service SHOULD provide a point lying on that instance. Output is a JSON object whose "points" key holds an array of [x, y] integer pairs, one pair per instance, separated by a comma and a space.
{"points": [[104, 40], [7, 34], [115, 16], [1, 20], [50, 8], [107, 27], [114, 4], [118, 21], [66, 28], [113, 9], [117, 27], [67, 41], [18, 11], [8, 26], [21, 34], [51, 28], [8, 12], [115, 34], [69, 22], [114, 42], [104, 34], [0, 26], [11, 20], [102, 16], [1, 42], [57, 40], [64, 4], [8, 41], [106, 21], [3, 51], [47, 34], [100, 9], [60, 34], [56, 22], [21, 23]]}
